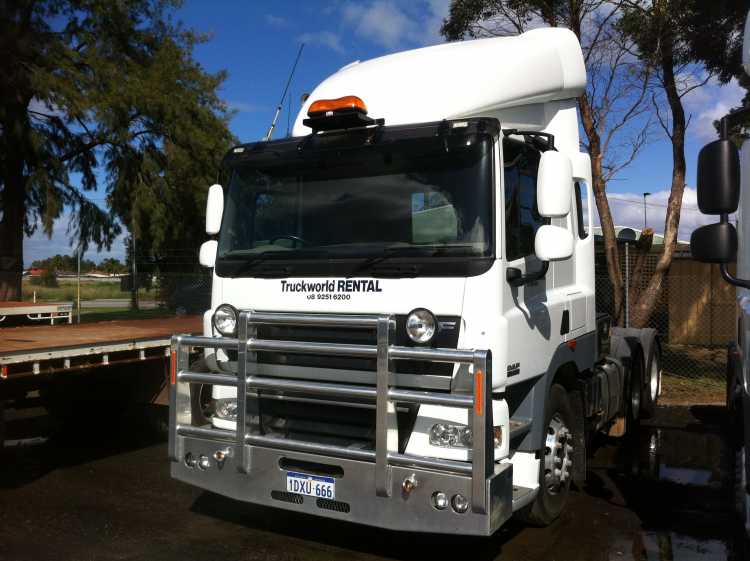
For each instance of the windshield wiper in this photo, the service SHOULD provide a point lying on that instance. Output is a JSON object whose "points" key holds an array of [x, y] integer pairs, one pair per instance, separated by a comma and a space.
{"points": [[371, 263], [251, 262]]}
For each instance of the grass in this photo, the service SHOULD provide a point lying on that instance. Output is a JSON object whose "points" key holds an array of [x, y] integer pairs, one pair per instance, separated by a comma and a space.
{"points": [[89, 315], [693, 375], [90, 290]]}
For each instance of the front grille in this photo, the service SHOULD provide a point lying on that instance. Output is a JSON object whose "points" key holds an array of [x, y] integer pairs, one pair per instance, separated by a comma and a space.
{"points": [[287, 497], [336, 506], [447, 338]]}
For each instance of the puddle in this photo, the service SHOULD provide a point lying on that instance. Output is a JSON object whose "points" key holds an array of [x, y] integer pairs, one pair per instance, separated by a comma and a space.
{"points": [[671, 546]]}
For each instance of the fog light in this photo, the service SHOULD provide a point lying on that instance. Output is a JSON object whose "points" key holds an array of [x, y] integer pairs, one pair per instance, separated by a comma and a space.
{"points": [[460, 503], [439, 500], [226, 408], [189, 460]]}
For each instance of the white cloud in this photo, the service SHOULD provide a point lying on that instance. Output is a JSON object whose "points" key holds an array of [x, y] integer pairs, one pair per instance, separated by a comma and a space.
{"points": [[710, 103], [44, 108], [393, 24], [39, 246], [324, 38], [276, 21]]}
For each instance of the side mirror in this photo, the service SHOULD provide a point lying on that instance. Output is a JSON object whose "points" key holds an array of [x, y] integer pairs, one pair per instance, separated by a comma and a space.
{"points": [[554, 187], [718, 178], [715, 243], [214, 209], [553, 243], [207, 254]]}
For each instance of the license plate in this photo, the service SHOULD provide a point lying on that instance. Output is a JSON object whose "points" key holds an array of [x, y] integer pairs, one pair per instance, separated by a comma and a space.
{"points": [[311, 485]]}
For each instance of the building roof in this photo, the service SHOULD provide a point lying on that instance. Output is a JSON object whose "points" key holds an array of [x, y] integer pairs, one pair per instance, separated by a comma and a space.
{"points": [[627, 233]]}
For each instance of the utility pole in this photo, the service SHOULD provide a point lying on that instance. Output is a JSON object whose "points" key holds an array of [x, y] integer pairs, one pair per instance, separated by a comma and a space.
{"points": [[78, 285], [134, 269], [645, 216]]}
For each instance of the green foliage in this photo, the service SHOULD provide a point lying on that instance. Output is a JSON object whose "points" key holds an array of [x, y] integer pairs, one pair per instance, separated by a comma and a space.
{"points": [[47, 279], [101, 88]]}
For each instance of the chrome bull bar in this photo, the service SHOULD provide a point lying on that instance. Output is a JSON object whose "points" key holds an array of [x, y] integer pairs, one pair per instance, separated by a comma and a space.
{"points": [[384, 394]]}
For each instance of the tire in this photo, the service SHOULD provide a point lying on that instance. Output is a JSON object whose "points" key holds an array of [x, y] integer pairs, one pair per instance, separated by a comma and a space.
{"points": [[2, 425], [201, 401], [651, 387], [553, 490], [634, 394]]}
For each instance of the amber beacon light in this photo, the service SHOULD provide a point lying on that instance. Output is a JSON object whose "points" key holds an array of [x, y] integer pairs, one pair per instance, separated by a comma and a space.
{"points": [[328, 107], [346, 112]]}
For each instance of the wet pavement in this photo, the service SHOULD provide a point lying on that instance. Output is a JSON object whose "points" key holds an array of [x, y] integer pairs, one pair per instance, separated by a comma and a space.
{"points": [[105, 495]]}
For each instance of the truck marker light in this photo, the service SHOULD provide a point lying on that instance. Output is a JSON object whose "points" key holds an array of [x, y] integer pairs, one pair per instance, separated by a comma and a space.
{"points": [[328, 106], [4, 372], [572, 344], [479, 393], [173, 368]]}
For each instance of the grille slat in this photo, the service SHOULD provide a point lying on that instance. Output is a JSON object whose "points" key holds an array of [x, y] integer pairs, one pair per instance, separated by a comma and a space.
{"points": [[287, 497], [336, 506]]}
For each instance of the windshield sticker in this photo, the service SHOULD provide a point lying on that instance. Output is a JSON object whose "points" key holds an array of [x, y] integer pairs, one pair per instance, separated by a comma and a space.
{"points": [[332, 289]]}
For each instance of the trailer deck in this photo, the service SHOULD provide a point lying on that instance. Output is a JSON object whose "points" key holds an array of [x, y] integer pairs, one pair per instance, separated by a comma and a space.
{"points": [[38, 311], [33, 350]]}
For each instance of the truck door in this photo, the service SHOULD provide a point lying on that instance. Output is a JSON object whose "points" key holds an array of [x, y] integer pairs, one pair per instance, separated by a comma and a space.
{"points": [[533, 310]]}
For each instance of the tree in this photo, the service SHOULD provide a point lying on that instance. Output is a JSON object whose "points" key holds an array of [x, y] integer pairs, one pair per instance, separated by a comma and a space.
{"points": [[97, 88], [614, 106], [685, 43]]}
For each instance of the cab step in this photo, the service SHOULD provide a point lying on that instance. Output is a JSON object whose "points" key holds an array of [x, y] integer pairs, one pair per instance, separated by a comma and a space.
{"points": [[523, 496]]}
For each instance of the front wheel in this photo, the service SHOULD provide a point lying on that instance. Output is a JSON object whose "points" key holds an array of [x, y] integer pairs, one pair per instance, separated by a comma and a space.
{"points": [[201, 398], [556, 463]]}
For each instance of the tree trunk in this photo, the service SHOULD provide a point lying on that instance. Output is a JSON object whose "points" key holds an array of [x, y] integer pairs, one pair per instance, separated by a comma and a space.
{"points": [[12, 215], [650, 294], [599, 186]]}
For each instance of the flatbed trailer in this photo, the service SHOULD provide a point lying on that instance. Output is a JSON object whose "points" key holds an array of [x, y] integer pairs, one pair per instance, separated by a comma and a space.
{"points": [[129, 356], [38, 311]]}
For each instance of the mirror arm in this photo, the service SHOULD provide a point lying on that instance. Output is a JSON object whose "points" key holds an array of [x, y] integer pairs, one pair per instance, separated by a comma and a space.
{"points": [[515, 277], [741, 283], [724, 267]]}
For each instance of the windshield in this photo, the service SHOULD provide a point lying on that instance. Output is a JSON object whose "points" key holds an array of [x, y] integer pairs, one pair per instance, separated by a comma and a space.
{"points": [[408, 202]]}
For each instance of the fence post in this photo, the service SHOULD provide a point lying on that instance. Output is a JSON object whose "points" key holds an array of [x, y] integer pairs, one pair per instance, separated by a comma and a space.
{"points": [[627, 284]]}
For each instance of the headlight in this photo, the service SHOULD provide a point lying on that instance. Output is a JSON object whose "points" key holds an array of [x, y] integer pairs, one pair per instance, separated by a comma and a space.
{"points": [[450, 435], [225, 320], [421, 326], [226, 408]]}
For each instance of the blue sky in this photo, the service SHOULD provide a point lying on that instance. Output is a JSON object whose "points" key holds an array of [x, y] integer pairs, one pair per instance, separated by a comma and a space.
{"points": [[256, 42]]}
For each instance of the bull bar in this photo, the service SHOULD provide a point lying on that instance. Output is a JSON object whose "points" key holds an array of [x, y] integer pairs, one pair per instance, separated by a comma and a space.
{"points": [[481, 469]]}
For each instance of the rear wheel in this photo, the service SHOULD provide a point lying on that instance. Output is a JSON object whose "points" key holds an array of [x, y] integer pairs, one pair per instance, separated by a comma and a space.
{"points": [[556, 462], [652, 386]]}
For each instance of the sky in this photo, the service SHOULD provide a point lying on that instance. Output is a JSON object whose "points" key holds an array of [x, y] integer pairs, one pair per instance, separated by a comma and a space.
{"points": [[256, 42]]}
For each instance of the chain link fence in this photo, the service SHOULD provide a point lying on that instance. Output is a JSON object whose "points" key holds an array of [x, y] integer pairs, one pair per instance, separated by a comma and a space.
{"points": [[694, 316]]}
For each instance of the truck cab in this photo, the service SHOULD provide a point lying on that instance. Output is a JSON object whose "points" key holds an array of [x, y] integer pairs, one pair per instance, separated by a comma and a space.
{"points": [[403, 330]]}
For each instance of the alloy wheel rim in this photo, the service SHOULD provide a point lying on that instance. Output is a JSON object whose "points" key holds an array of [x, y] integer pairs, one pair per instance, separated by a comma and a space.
{"points": [[558, 455]]}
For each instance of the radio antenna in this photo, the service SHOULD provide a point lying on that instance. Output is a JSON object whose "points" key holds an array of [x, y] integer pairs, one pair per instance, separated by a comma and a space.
{"points": [[280, 106]]}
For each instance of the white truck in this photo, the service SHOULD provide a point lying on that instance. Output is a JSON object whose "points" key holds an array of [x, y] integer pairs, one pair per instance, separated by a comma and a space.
{"points": [[403, 330], [723, 189]]}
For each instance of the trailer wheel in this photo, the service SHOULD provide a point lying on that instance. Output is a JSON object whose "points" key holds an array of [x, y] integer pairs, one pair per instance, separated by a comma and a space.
{"points": [[201, 400], [2, 425], [652, 382], [556, 462]]}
